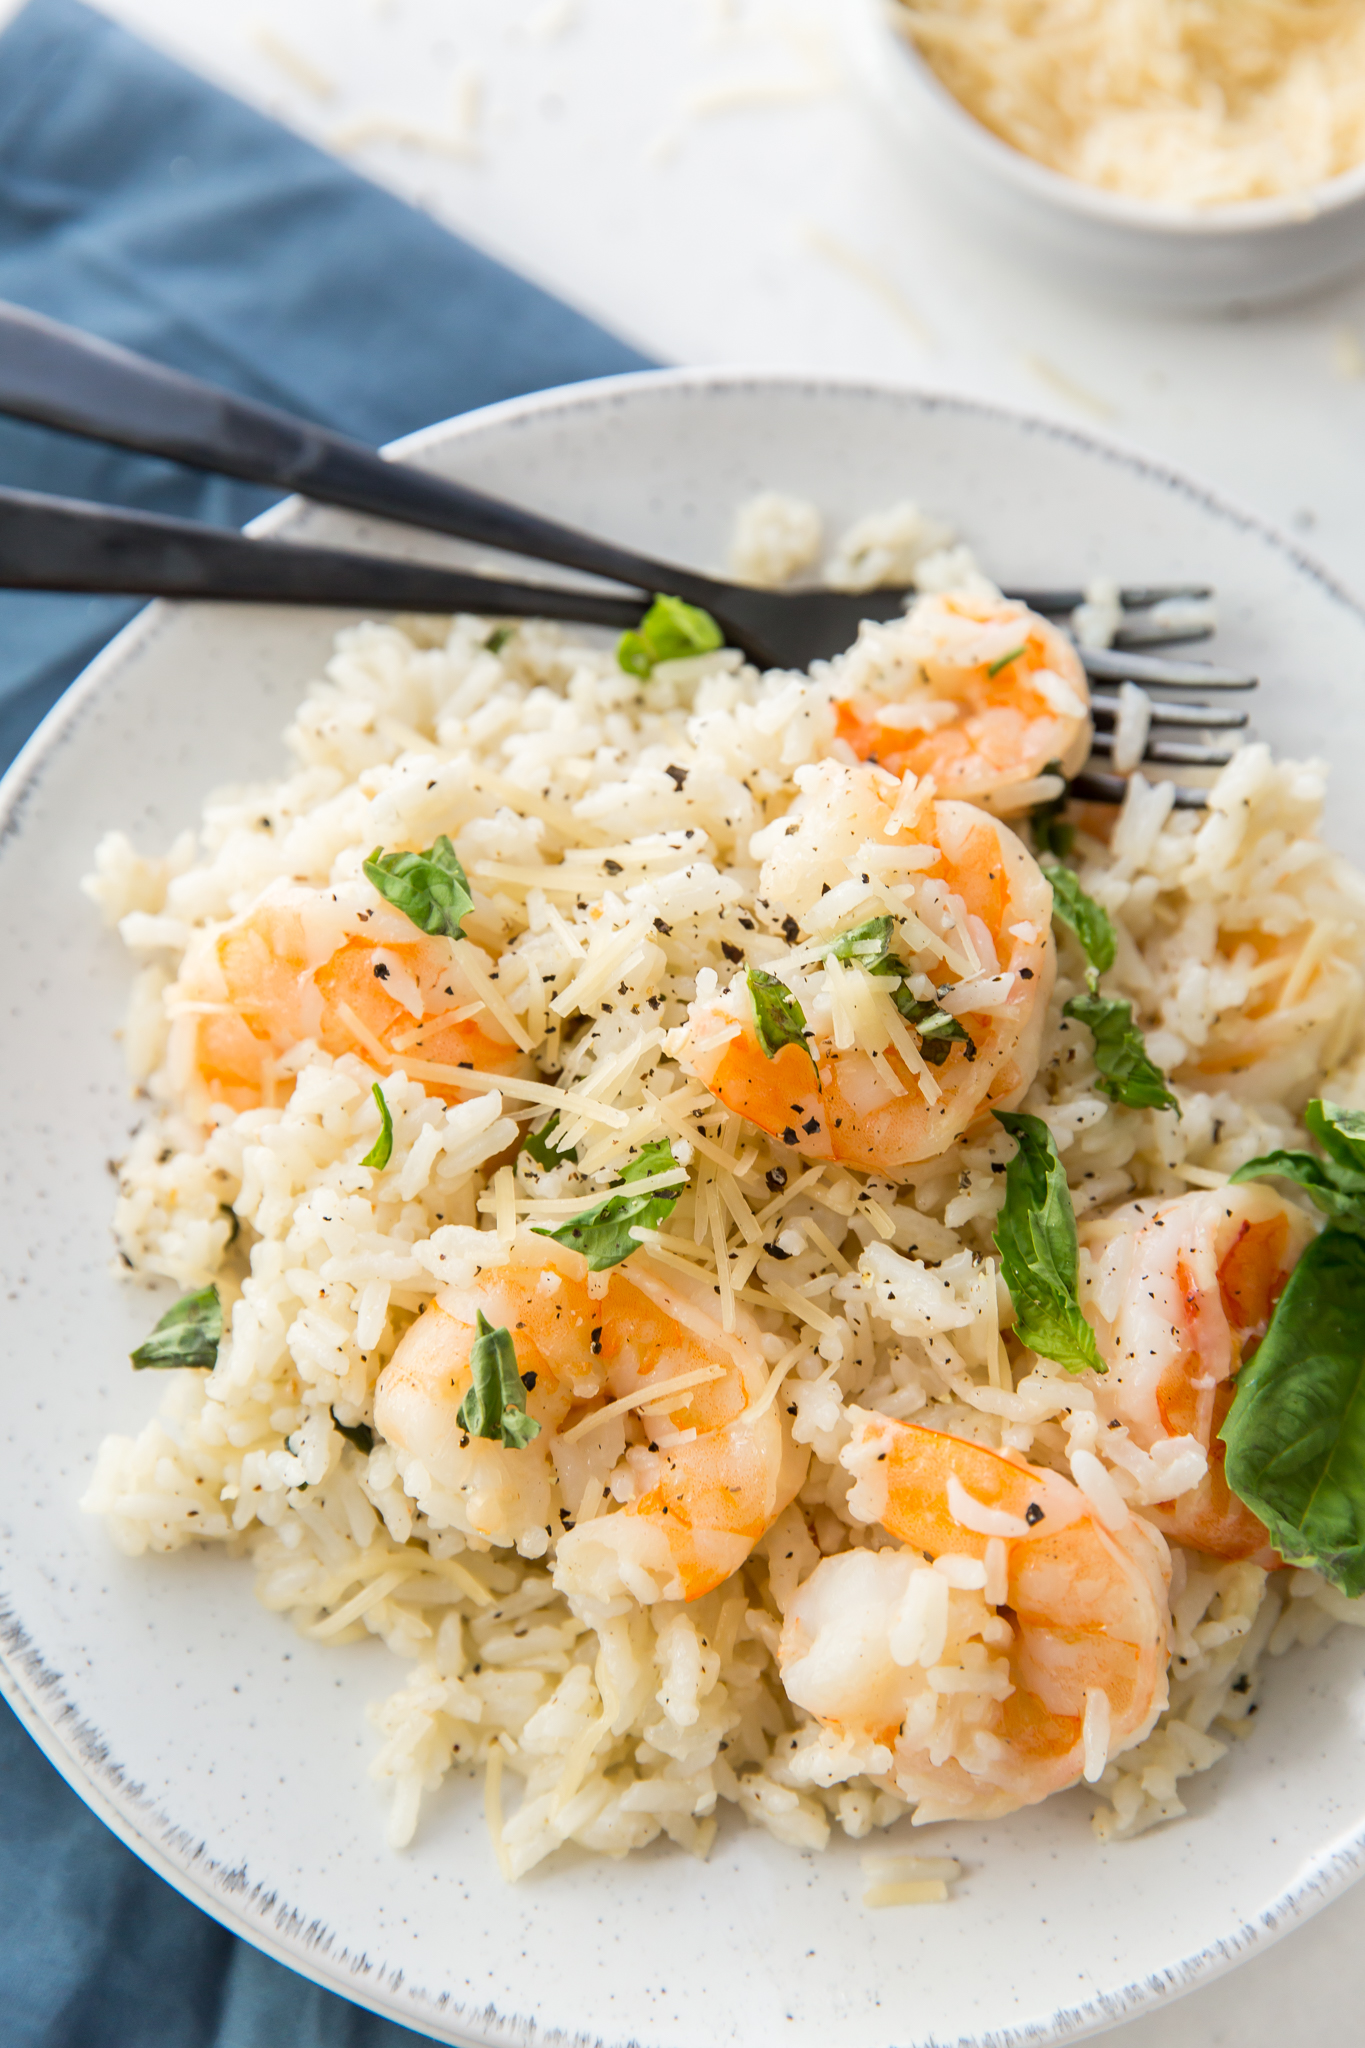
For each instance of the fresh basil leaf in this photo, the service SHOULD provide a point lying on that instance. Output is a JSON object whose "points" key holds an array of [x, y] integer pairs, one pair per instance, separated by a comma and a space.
{"points": [[1337, 1183], [1127, 1074], [188, 1334], [673, 629], [1083, 915], [1295, 1433], [358, 1433], [1050, 833], [633, 655], [938, 1032], [495, 1406], [869, 945], [431, 888], [778, 1017], [1006, 659], [1341, 1134], [381, 1152], [602, 1233], [669, 631], [1305, 1171], [537, 1143], [1035, 1235]]}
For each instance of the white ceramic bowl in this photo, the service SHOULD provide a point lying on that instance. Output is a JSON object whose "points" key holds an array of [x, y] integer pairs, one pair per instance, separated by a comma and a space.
{"points": [[1142, 251], [230, 1752]]}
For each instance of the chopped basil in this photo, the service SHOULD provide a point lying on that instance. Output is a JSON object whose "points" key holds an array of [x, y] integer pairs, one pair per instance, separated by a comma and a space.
{"points": [[938, 1032], [1006, 659], [1035, 1235], [358, 1433], [1341, 1134], [1127, 1073], [537, 1143], [187, 1334], [495, 1406], [1337, 1183], [673, 629], [1083, 915], [431, 888], [869, 946], [602, 1233], [381, 1152], [1050, 834], [633, 655], [778, 1017], [1295, 1433], [499, 638], [669, 631]]}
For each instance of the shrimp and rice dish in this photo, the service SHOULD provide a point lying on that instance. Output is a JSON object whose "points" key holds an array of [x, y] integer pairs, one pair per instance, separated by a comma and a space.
{"points": [[707, 1212]]}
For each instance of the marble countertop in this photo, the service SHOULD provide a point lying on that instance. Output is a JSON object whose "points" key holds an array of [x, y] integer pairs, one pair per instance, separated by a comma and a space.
{"points": [[707, 177]]}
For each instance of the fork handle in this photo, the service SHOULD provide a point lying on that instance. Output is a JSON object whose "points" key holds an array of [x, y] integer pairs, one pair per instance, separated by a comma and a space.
{"points": [[63, 544], [61, 377]]}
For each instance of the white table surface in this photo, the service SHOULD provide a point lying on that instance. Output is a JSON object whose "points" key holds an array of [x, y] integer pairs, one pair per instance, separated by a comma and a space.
{"points": [[705, 177]]}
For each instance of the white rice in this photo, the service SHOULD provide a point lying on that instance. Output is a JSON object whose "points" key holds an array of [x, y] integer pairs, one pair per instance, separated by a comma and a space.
{"points": [[619, 1726], [776, 538]]}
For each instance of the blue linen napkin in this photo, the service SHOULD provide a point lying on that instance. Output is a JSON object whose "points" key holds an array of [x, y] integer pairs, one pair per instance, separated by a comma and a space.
{"points": [[143, 204], [147, 206]]}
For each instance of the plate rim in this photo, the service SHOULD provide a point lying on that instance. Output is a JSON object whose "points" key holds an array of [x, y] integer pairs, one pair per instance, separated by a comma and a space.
{"points": [[75, 1747]]}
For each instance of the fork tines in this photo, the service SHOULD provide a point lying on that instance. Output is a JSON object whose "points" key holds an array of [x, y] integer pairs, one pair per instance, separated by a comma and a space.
{"points": [[1174, 753], [1099, 788], [1208, 717], [1159, 632], [1115, 665], [1138, 598]]}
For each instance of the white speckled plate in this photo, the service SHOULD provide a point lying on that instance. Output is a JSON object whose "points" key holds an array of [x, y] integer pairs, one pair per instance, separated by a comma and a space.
{"points": [[229, 1752]]}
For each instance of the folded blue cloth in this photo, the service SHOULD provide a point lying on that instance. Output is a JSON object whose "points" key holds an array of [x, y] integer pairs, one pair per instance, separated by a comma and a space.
{"points": [[143, 204]]}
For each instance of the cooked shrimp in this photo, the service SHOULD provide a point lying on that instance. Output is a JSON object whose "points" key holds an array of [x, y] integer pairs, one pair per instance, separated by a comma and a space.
{"points": [[1010, 1648], [972, 918], [978, 692], [1182, 1294], [709, 1478], [289, 970]]}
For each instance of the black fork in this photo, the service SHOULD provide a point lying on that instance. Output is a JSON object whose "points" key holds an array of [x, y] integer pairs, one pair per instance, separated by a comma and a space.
{"points": [[60, 377]]}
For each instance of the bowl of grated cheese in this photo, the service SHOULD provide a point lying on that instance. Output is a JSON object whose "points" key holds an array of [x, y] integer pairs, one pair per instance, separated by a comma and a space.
{"points": [[1180, 153]]}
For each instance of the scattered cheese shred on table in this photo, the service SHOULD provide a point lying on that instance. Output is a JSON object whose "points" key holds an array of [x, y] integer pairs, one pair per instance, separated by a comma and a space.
{"points": [[908, 1880]]}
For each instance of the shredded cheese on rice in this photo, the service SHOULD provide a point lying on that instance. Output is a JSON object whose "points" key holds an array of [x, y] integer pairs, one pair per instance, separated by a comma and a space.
{"points": [[611, 838]]}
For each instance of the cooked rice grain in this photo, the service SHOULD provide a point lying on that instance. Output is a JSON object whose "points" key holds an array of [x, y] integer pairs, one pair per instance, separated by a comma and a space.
{"points": [[606, 834]]}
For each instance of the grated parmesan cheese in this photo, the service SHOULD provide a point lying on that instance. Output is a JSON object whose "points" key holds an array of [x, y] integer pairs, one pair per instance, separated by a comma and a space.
{"points": [[1201, 102]]}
